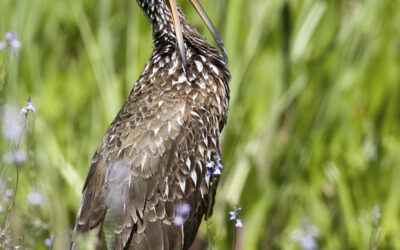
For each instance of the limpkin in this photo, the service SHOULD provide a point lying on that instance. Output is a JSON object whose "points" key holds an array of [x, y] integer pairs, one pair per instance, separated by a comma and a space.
{"points": [[157, 152]]}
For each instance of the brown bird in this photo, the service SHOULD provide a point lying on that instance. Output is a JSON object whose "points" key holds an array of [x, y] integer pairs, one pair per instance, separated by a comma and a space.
{"points": [[155, 173]]}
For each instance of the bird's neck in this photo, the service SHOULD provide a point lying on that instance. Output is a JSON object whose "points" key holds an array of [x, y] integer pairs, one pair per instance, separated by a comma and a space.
{"points": [[158, 13]]}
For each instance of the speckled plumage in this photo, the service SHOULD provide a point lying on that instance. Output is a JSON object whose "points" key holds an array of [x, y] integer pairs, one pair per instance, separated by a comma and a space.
{"points": [[154, 153]]}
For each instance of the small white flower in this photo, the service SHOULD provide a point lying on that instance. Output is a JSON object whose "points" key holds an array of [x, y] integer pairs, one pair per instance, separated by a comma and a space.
{"points": [[10, 36], [35, 198], [238, 223], [15, 44], [3, 45], [19, 156], [181, 210], [9, 192], [12, 123], [233, 215], [179, 220], [305, 235], [8, 158], [308, 243], [12, 39], [217, 171], [29, 107], [24, 111]]}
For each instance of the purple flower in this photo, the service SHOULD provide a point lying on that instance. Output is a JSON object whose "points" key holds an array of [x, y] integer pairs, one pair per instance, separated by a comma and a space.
{"points": [[13, 42], [218, 164], [210, 165], [29, 107], [308, 243], [214, 168], [48, 242], [234, 216], [181, 211], [305, 235]]}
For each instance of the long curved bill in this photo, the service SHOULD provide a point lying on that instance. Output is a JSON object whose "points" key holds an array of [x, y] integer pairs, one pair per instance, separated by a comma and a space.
{"points": [[210, 27], [178, 29]]}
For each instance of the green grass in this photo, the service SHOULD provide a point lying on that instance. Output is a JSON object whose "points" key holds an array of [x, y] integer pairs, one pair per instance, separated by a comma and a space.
{"points": [[313, 129]]}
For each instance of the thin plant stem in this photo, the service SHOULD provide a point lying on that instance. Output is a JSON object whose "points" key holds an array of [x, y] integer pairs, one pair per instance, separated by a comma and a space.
{"points": [[3, 69], [376, 229], [209, 234], [213, 181], [234, 238], [18, 166]]}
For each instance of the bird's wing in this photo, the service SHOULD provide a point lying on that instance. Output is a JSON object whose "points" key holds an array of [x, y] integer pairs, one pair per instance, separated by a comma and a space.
{"points": [[149, 161]]}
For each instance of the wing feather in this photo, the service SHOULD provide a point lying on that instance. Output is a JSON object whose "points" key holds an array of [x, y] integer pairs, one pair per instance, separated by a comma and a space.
{"points": [[150, 160]]}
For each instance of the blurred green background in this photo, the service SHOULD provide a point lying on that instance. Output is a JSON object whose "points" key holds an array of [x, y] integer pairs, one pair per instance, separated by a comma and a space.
{"points": [[313, 134]]}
